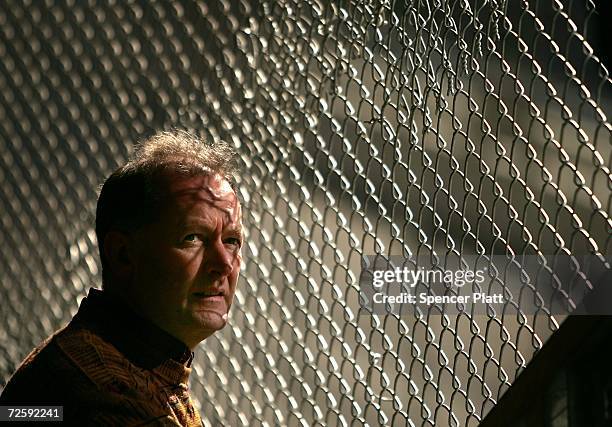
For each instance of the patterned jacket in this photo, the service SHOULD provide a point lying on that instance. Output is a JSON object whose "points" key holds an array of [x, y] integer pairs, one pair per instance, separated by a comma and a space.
{"points": [[109, 367]]}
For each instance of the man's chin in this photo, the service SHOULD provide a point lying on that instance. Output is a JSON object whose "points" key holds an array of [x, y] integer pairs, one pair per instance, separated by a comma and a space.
{"points": [[210, 320]]}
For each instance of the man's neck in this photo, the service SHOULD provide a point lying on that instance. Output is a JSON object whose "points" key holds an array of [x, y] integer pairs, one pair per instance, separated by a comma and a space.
{"points": [[142, 341]]}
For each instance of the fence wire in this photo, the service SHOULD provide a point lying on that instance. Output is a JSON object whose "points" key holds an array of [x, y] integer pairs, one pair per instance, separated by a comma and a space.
{"points": [[435, 128]]}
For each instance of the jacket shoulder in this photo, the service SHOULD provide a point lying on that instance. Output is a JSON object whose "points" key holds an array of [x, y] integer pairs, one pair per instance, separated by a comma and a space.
{"points": [[78, 370], [41, 376]]}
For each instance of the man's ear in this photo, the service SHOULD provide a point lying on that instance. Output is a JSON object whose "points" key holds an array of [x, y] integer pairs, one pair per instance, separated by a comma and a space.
{"points": [[118, 253]]}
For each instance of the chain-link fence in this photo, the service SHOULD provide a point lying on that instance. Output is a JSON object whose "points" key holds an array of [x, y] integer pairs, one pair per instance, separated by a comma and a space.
{"points": [[416, 128]]}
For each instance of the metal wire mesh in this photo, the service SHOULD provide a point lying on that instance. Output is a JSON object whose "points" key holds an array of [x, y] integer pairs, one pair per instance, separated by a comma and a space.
{"points": [[414, 127]]}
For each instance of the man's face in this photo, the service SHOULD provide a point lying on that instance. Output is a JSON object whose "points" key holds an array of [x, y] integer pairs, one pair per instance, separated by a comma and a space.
{"points": [[186, 264]]}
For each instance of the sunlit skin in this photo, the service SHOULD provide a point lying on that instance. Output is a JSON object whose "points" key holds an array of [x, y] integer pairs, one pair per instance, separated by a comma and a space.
{"points": [[181, 271]]}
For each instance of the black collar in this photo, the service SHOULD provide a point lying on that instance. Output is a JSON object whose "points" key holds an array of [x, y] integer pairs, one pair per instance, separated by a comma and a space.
{"points": [[142, 342]]}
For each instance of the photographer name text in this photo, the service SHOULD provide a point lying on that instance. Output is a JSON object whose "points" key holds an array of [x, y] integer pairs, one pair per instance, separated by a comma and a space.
{"points": [[425, 298]]}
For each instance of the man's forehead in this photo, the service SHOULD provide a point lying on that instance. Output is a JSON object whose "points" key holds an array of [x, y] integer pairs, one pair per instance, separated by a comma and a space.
{"points": [[212, 189], [177, 184]]}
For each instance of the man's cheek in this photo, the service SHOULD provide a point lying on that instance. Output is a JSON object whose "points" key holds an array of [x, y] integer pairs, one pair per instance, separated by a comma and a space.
{"points": [[173, 265], [238, 261]]}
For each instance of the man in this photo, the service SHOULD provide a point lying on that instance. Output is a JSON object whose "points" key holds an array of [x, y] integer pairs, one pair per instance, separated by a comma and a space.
{"points": [[168, 225]]}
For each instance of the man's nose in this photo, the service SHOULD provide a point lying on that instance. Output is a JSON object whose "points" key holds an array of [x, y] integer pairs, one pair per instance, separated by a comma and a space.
{"points": [[219, 259]]}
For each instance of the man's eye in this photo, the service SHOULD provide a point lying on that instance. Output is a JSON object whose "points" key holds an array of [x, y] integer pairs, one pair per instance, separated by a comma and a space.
{"points": [[233, 241], [191, 238]]}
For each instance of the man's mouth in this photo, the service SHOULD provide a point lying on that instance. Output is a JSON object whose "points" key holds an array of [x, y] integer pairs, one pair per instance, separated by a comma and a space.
{"points": [[211, 295]]}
